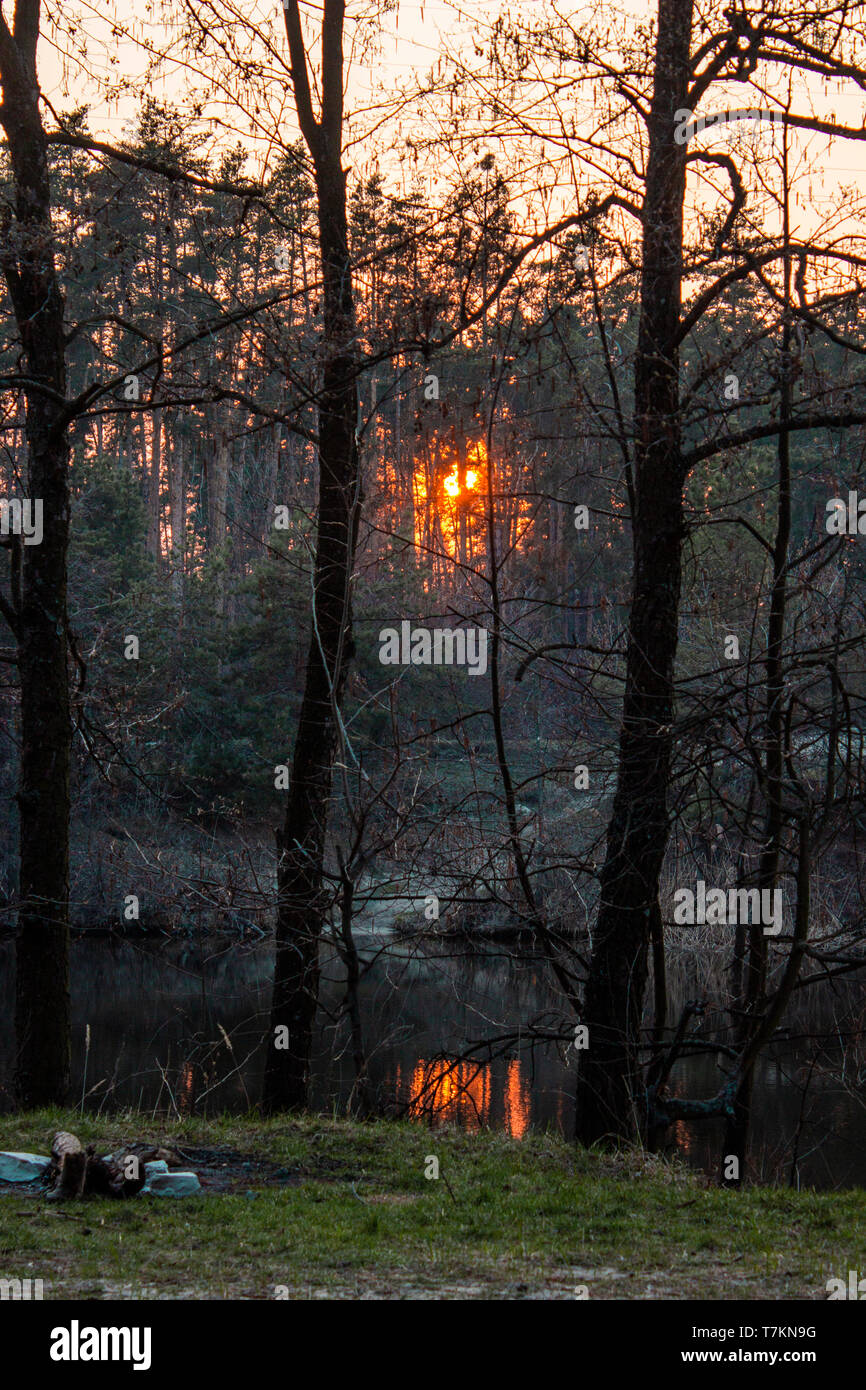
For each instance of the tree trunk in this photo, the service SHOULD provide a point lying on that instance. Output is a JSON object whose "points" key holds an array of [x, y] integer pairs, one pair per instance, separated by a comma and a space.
{"points": [[608, 1101], [42, 1012], [217, 496], [154, 503], [175, 464], [737, 1129], [301, 846]]}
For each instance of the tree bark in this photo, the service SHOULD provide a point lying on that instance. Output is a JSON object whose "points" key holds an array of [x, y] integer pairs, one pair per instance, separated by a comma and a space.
{"points": [[301, 846], [608, 1103], [737, 1127], [42, 1011]]}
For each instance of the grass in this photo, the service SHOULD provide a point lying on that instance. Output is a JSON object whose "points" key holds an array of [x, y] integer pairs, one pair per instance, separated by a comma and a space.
{"points": [[354, 1216]]}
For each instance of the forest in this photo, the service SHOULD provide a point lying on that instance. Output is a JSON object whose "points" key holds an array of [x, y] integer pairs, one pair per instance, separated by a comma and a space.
{"points": [[432, 681]]}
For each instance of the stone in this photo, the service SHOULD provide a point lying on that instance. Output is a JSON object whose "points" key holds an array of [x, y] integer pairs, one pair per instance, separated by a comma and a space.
{"points": [[168, 1184], [22, 1167], [154, 1166], [157, 1167]]}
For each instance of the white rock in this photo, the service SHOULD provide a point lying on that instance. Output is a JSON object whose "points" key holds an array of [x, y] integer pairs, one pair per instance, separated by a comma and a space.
{"points": [[171, 1184], [15, 1167]]}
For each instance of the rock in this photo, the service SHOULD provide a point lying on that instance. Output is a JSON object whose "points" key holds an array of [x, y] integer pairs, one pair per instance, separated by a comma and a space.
{"points": [[20, 1167], [155, 1168], [167, 1184], [156, 1165]]}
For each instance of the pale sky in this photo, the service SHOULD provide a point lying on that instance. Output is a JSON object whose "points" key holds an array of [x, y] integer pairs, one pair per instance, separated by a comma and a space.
{"points": [[413, 37]]}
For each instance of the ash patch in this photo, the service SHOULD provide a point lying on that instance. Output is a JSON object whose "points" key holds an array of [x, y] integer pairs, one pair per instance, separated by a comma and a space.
{"points": [[223, 1170], [228, 1170]]}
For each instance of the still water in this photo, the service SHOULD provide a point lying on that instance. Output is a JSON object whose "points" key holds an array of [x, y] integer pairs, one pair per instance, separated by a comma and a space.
{"points": [[178, 1027]]}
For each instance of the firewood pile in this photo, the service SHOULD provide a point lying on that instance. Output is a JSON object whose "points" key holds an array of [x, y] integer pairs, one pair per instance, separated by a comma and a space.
{"points": [[78, 1172]]}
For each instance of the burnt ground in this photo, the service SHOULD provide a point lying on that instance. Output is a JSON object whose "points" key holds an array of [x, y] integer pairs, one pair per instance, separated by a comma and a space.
{"points": [[226, 1170]]}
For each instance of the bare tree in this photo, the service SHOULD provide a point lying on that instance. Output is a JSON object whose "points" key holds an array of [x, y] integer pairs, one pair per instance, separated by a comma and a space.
{"points": [[37, 614], [301, 845]]}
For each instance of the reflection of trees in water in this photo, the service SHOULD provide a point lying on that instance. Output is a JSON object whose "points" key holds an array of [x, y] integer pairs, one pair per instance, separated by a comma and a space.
{"points": [[171, 1026], [448, 1091], [476, 1038], [156, 1039]]}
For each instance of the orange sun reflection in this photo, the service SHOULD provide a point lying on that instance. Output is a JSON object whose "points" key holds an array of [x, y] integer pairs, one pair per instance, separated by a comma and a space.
{"points": [[463, 1093]]}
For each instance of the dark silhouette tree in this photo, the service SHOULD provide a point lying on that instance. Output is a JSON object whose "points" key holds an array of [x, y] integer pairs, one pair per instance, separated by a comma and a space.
{"points": [[37, 612], [301, 844]]}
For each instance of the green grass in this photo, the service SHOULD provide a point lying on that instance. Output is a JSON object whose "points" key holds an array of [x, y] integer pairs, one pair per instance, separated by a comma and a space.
{"points": [[529, 1218]]}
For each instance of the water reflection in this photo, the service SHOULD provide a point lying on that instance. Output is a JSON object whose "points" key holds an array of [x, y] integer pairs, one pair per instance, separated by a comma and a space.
{"points": [[178, 1027], [446, 1091], [187, 1089]]}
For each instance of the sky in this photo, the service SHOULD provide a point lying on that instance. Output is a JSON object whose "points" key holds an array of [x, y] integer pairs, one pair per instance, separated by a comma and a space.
{"points": [[414, 35]]}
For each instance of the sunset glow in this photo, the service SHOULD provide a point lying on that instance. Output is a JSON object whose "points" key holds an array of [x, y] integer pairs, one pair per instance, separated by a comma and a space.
{"points": [[449, 489], [471, 1095], [452, 482]]}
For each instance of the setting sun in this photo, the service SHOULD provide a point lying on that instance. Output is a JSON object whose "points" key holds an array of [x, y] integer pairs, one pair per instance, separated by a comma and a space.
{"points": [[452, 482]]}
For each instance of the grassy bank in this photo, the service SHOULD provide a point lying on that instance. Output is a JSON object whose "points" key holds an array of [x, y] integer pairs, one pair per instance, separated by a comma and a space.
{"points": [[345, 1210]]}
